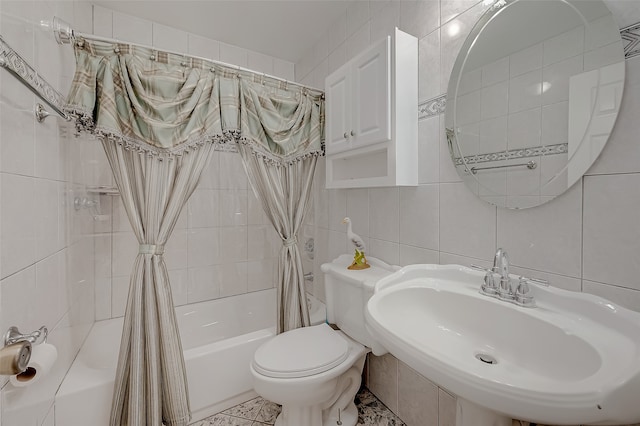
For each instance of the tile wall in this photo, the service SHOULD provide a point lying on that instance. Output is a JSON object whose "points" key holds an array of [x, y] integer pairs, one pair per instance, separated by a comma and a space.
{"points": [[584, 240], [223, 244], [46, 246]]}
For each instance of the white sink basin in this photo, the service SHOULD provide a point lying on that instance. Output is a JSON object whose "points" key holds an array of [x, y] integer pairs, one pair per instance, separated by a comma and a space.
{"points": [[574, 359]]}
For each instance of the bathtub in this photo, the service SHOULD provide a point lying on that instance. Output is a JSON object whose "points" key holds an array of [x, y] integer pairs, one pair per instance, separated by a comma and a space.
{"points": [[219, 338]]}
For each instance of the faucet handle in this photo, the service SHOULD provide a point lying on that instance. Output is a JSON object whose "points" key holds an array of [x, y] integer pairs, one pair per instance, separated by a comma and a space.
{"points": [[491, 280], [523, 294], [491, 283], [523, 286]]}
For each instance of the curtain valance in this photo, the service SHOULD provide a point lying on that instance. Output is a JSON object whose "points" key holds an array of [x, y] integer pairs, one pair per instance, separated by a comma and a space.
{"points": [[165, 104]]}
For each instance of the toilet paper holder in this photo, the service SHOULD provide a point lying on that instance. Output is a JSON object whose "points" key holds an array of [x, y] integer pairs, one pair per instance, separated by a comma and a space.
{"points": [[13, 335]]}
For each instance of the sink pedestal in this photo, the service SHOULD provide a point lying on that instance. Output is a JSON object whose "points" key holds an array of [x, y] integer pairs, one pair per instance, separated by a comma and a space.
{"points": [[470, 414]]}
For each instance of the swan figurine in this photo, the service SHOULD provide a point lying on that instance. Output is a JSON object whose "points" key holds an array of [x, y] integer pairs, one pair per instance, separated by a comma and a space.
{"points": [[359, 259]]}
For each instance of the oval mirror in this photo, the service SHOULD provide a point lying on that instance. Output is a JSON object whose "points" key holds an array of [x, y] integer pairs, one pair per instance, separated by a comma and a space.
{"points": [[533, 96]]}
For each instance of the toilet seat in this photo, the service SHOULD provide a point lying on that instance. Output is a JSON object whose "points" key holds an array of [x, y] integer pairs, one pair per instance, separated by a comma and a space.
{"points": [[302, 352]]}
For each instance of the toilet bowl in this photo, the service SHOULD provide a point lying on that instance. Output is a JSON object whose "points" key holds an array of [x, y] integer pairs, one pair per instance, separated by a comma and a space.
{"points": [[315, 372]]}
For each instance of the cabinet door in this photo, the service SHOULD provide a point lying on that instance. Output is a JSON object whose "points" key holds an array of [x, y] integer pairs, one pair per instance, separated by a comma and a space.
{"points": [[371, 95], [338, 111]]}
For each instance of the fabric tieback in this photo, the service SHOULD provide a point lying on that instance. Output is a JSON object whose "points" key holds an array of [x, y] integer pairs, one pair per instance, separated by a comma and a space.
{"points": [[154, 249], [289, 242]]}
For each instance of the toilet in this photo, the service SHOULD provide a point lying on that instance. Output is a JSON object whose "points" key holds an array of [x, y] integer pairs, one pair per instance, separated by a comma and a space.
{"points": [[315, 372]]}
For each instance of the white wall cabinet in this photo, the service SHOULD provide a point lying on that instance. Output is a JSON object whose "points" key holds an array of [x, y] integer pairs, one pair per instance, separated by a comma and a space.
{"points": [[371, 117]]}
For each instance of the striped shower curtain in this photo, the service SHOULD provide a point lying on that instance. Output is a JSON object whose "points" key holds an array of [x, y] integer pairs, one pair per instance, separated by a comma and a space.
{"points": [[159, 118]]}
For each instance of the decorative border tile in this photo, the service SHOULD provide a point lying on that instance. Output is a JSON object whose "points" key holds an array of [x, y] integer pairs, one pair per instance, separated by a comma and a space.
{"points": [[432, 107], [21, 69], [536, 151], [631, 37]]}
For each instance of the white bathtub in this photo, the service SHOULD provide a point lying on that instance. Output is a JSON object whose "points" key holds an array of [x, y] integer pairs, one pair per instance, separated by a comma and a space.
{"points": [[219, 338]]}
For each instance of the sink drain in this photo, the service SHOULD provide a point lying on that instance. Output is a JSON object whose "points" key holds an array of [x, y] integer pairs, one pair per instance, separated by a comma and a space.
{"points": [[486, 358]]}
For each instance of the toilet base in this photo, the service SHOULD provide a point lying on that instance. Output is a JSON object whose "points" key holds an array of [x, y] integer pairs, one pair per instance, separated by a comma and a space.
{"points": [[348, 417]]}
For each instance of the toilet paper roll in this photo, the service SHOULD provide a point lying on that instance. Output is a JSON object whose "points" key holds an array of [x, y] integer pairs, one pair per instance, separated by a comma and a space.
{"points": [[43, 357], [14, 358]]}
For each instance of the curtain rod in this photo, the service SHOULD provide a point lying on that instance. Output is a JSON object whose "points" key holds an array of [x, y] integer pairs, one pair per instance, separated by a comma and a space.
{"points": [[15, 64], [64, 34]]}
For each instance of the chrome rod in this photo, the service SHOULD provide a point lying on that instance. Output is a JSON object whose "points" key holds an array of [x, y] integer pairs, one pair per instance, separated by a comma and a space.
{"points": [[64, 34], [511, 154], [15, 64], [530, 165], [103, 190]]}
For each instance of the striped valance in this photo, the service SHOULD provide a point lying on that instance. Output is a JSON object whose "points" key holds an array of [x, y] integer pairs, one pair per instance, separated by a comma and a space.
{"points": [[164, 104]]}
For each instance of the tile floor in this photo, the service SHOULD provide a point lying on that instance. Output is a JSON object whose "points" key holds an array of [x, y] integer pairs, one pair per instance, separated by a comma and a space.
{"points": [[523, 423], [260, 412]]}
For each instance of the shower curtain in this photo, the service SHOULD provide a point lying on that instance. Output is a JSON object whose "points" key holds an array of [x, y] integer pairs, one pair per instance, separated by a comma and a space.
{"points": [[282, 180], [159, 117]]}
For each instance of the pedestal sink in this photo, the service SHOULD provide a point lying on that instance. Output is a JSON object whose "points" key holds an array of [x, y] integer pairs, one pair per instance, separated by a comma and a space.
{"points": [[573, 359]]}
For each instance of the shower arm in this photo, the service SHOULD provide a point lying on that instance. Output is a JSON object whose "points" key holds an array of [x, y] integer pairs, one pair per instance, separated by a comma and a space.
{"points": [[64, 34]]}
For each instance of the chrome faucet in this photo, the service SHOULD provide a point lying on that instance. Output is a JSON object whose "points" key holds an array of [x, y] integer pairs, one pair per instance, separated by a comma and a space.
{"points": [[497, 282], [501, 266]]}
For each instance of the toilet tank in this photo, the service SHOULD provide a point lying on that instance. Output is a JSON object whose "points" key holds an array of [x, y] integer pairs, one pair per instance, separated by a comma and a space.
{"points": [[348, 291]]}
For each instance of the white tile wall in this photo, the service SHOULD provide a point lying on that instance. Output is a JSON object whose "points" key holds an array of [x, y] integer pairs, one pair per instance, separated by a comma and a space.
{"points": [[467, 224], [419, 216], [524, 92], [259, 62], [495, 72], [611, 230], [584, 240], [428, 144], [130, 28], [419, 17], [526, 60], [429, 80], [169, 38], [47, 248], [556, 76], [102, 21], [563, 46], [385, 19], [233, 55], [524, 129], [494, 133], [203, 47], [495, 100]]}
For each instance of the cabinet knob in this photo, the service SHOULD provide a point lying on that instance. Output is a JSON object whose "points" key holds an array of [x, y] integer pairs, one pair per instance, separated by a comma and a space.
{"points": [[353, 133], [346, 135]]}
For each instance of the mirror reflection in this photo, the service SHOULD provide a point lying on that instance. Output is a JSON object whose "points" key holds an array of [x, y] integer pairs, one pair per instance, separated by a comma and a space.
{"points": [[533, 97]]}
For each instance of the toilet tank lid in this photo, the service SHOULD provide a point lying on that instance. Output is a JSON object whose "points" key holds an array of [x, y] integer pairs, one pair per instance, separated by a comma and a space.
{"points": [[368, 277]]}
